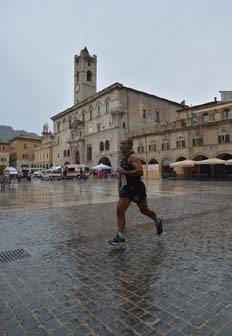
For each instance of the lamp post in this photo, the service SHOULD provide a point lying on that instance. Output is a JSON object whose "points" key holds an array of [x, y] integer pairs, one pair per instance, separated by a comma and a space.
{"points": [[146, 156]]}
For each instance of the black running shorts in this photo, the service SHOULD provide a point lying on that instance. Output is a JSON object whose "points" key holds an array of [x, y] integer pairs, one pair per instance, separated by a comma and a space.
{"points": [[136, 192]]}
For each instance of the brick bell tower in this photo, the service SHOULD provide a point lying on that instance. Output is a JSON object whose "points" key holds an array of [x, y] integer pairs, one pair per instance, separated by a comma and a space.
{"points": [[85, 76]]}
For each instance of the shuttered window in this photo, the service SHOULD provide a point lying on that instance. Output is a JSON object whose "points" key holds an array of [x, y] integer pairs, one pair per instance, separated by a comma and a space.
{"points": [[224, 138]]}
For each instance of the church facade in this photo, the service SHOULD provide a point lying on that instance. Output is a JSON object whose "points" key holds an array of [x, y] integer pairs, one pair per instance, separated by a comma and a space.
{"points": [[90, 131]]}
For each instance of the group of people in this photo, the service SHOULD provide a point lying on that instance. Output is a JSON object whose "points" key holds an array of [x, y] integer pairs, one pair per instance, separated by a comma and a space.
{"points": [[131, 189]]}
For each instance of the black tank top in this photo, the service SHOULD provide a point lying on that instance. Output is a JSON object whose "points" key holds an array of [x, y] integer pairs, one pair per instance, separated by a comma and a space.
{"points": [[131, 180]]}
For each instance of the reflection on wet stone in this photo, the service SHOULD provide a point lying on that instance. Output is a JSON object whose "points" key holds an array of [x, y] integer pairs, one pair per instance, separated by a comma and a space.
{"points": [[75, 284]]}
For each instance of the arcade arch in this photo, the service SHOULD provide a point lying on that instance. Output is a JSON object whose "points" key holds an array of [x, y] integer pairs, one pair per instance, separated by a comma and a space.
{"points": [[166, 171], [224, 156], [153, 161], [200, 157], [201, 171], [181, 158], [223, 171]]}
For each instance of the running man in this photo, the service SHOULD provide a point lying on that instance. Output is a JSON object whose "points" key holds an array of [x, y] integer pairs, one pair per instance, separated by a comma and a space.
{"points": [[131, 188]]}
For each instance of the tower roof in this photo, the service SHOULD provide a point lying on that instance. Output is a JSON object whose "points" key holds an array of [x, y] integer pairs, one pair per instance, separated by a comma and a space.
{"points": [[84, 51]]}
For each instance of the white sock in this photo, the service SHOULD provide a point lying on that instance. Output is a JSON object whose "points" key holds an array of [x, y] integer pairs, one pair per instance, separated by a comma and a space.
{"points": [[121, 235]]}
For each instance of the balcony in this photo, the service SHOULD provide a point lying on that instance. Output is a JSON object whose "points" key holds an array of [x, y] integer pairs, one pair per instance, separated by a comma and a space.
{"points": [[76, 138], [76, 124], [200, 120], [118, 110]]}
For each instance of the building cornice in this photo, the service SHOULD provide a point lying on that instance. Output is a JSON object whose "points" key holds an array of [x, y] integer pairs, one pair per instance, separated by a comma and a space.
{"points": [[207, 106], [4, 143], [105, 91], [88, 100], [153, 96], [24, 138]]}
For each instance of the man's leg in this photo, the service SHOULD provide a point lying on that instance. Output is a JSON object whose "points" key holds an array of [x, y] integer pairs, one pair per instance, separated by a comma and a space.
{"points": [[122, 206], [143, 207]]}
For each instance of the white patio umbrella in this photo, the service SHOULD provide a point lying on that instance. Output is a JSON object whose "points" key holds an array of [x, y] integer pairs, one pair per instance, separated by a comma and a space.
{"points": [[184, 163], [228, 162], [101, 166], [212, 161]]}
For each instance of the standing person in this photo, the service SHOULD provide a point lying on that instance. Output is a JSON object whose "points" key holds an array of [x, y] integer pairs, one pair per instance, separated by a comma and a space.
{"points": [[131, 188], [81, 174]]}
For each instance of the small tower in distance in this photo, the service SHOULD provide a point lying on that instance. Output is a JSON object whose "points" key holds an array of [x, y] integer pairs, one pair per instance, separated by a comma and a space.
{"points": [[45, 129], [85, 76]]}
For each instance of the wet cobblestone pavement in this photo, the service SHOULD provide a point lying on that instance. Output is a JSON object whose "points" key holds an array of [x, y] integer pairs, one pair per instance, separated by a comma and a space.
{"points": [[74, 283]]}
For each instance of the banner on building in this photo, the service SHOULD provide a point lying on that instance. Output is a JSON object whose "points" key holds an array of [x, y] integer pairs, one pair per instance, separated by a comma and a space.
{"points": [[153, 167]]}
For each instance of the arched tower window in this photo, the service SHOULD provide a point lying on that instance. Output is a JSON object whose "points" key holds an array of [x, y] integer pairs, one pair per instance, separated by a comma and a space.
{"points": [[107, 145], [89, 76], [64, 153], [78, 76]]}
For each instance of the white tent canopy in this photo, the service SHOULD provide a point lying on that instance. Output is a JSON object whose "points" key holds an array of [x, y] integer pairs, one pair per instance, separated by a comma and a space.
{"points": [[11, 169], [101, 166], [184, 163], [54, 168], [212, 161]]}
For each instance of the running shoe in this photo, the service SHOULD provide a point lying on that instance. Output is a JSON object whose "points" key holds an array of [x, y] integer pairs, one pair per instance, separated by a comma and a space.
{"points": [[117, 240], [159, 226]]}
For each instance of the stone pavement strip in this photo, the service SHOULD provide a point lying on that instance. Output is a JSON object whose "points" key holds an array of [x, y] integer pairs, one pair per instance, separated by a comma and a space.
{"points": [[74, 283]]}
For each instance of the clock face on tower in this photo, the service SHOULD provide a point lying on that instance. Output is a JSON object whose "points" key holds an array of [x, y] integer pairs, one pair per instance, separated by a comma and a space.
{"points": [[78, 88]]}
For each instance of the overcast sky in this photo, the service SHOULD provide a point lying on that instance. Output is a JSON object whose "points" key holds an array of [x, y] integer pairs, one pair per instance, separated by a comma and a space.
{"points": [[176, 49]]}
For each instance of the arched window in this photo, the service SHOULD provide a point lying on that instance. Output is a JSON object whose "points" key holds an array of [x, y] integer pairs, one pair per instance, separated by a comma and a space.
{"points": [[107, 102], [107, 107], [68, 152], [64, 153], [107, 145], [89, 76], [98, 107], [101, 146]]}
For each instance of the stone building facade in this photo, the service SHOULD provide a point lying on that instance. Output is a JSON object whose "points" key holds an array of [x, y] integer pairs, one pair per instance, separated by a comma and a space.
{"points": [[43, 154], [199, 132], [22, 151], [4, 153], [90, 131]]}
